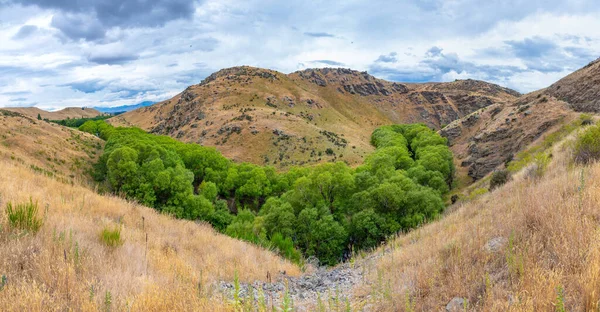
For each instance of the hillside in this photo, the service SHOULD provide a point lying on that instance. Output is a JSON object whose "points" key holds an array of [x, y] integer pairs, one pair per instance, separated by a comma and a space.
{"points": [[266, 117], [162, 264], [47, 147], [580, 89], [493, 136], [69, 112]]}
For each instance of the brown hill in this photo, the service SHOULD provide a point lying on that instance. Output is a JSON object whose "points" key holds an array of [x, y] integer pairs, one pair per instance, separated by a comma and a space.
{"points": [[310, 116], [580, 89], [492, 136], [47, 147], [69, 112]]}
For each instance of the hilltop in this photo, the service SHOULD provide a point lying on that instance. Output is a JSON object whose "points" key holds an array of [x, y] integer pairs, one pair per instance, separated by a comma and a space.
{"points": [[69, 112], [267, 117]]}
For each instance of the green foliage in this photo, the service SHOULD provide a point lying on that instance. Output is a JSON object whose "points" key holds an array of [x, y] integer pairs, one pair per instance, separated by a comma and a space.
{"points": [[323, 211], [78, 122], [111, 237], [587, 146], [499, 178], [24, 216], [560, 299]]}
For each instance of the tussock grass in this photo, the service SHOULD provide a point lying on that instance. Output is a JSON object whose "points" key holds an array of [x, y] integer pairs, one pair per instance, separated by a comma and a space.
{"points": [[24, 216], [111, 236]]}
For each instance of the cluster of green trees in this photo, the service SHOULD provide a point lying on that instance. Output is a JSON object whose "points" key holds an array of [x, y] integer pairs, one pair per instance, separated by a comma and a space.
{"points": [[326, 211], [77, 122]]}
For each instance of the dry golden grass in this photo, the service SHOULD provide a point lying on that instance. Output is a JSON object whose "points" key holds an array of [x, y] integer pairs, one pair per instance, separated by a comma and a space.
{"points": [[48, 148], [551, 242], [66, 266], [69, 112]]}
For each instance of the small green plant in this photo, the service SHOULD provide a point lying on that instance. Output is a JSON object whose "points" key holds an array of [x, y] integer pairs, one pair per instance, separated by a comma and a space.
{"points": [[477, 192], [587, 146], [107, 301], [499, 178], [111, 237], [539, 166], [92, 292], [560, 299], [287, 303], [3, 281], [236, 290], [409, 303], [24, 216], [262, 303]]}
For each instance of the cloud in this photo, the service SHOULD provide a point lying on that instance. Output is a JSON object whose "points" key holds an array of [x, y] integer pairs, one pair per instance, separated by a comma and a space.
{"points": [[434, 52], [18, 100], [319, 34], [529, 48], [24, 32], [390, 58], [111, 54], [112, 59], [128, 51], [328, 62], [95, 17], [78, 26], [86, 86]]}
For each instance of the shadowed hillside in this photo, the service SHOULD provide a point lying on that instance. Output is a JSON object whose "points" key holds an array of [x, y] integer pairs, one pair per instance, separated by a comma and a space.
{"points": [[266, 117]]}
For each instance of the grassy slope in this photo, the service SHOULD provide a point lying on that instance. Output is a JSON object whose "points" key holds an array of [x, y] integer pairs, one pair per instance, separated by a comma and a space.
{"points": [[49, 148], [550, 234], [162, 274], [69, 112]]}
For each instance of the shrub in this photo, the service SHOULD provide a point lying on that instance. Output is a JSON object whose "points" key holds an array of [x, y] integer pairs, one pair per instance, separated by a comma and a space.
{"points": [[586, 119], [111, 237], [24, 216], [499, 178], [587, 146]]}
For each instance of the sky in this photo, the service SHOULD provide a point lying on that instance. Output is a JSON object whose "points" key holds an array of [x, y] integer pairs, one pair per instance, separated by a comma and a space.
{"points": [[61, 53]]}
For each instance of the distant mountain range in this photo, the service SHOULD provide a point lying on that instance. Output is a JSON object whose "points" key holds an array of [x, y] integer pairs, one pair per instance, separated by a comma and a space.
{"points": [[123, 108]]}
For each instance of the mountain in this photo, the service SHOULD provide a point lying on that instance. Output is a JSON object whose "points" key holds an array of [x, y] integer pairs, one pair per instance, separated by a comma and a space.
{"points": [[310, 116], [69, 112], [123, 108]]}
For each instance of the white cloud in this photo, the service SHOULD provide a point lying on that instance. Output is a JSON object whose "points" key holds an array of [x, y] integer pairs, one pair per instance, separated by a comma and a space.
{"points": [[133, 59]]}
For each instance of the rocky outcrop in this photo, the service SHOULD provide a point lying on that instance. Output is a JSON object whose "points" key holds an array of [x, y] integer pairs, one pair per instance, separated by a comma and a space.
{"points": [[580, 89], [451, 133]]}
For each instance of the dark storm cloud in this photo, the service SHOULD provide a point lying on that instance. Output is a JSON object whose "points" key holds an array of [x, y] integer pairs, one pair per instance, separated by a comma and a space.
{"points": [[89, 19]]}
